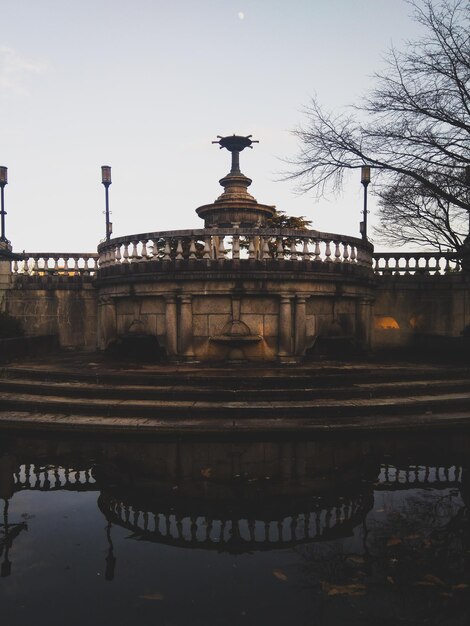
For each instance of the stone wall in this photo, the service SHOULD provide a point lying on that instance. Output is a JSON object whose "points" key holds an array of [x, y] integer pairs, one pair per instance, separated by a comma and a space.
{"points": [[410, 305], [65, 306]]}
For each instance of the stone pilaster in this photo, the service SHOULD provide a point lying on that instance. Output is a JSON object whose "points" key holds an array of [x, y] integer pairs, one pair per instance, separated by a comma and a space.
{"points": [[107, 326], [364, 322], [285, 326], [300, 325], [5, 274], [186, 326], [171, 326]]}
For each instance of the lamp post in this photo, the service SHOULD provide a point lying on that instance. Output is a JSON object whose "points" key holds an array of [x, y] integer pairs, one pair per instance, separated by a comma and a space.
{"points": [[3, 182], [106, 180], [365, 180], [467, 182]]}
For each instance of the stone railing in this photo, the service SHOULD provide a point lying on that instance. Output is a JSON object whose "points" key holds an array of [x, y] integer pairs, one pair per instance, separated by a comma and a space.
{"points": [[392, 477], [56, 263], [221, 244], [238, 534], [408, 263], [53, 478]]}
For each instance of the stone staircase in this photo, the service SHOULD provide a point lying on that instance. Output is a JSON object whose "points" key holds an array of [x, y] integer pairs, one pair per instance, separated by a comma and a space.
{"points": [[77, 392]]}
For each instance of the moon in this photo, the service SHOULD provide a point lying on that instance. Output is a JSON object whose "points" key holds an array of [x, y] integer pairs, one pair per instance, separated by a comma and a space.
{"points": [[241, 15]]}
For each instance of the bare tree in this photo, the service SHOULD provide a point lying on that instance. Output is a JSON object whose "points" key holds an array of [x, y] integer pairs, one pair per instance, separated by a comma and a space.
{"points": [[413, 129]]}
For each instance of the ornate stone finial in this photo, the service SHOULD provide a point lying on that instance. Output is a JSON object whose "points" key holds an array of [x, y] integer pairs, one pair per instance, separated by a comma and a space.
{"points": [[235, 207], [235, 144]]}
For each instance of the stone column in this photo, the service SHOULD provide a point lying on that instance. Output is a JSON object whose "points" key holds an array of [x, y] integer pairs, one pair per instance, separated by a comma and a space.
{"points": [[171, 326], [300, 325], [285, 326], [186, 326]]}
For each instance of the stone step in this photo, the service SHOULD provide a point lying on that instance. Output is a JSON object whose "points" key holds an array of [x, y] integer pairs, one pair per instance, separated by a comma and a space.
{"points": [[33, 421], [297, 377], [282, 409], [82, 390]]}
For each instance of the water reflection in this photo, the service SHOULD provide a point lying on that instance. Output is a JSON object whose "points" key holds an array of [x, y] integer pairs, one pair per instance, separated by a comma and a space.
{"points": [[368, 522]]}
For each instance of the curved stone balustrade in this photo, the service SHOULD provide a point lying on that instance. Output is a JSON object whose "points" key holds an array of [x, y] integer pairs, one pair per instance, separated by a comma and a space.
{"points": [[234, 244], [392, 478], [56, 264], [34, 477], [319, 523], [410, 263]]}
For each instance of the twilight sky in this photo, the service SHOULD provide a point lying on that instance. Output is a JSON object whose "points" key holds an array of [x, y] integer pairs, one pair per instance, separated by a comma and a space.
{"points": [[146, 85]]}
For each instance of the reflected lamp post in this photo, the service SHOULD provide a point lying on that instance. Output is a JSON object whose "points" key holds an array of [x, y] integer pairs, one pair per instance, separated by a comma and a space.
{"points": [[365, 180], [106, 180], [3, 182]]}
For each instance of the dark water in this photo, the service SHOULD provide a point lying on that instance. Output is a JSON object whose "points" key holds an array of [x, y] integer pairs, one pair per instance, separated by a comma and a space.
{"points": [[323, 532]]}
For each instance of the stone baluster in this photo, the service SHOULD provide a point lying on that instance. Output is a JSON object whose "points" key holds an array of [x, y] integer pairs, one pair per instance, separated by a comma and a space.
{"points": [[426, 269], [251, 248], [221, 252], [192, 249], [236, 247], [117, 254], [144, 254], [15, 266], [266, 253], [35, 265], [280, 249], [293, 250], [328, 251], [353, 256], [447, 267], [167, 250], [207, 248], [134, 255], [337, 252], [305, 251], [125, 254], [345, 253], [179, 250], [76, 266], [317, 253]]}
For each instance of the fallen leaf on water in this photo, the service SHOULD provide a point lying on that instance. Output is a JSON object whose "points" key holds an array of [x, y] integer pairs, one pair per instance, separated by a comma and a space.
{"points": [[460, 586], [379, 510], [356, 589], [279, 574], [355, 558], [206, 472], [390, 580], [434, 580], [152, 596], [394, 541]]}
